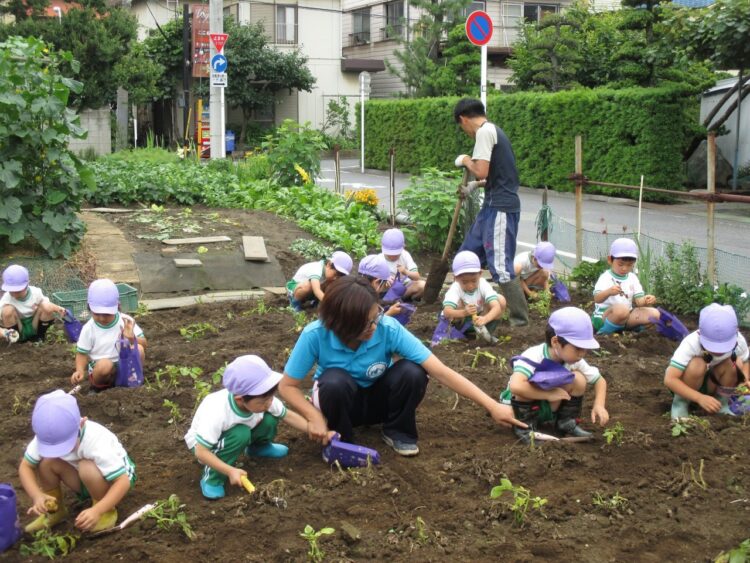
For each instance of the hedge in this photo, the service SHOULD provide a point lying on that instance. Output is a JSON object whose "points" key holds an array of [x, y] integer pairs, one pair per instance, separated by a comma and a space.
{"points": [[626, 133]]}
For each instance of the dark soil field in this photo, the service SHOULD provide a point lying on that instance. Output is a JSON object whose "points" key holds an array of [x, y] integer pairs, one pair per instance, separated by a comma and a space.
{"points": [[684, 498]]}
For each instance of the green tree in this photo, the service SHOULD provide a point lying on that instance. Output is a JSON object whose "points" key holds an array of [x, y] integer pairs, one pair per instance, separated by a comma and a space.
{"points": [[258, 71], [458, 72], [40, 179], [420, 56], [164, 47], [98, 39], [140, 75]]}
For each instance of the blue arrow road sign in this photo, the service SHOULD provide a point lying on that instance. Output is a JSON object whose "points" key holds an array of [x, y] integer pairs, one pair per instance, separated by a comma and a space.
{"points": [[219, 63]]}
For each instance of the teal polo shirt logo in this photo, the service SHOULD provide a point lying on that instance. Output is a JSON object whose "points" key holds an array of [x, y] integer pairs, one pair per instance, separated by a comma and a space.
{"points": [[376, 370]]}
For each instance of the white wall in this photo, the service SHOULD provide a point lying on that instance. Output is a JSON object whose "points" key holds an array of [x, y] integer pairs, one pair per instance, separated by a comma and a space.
{"points": [[97, 123], [146, 20], [726, 143]]}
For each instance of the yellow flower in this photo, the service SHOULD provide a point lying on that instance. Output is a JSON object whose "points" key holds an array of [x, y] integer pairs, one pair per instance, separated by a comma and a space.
{"points": [[303, 174], [366, 197]]}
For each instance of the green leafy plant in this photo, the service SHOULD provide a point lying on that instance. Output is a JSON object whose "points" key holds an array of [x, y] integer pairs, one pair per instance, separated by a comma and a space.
{"points": [[170, 514], [169, 376], [586, 274], [739, 554], [300, 320], [314, 553], [541, 304], [337, 127], [254, 167], [175, 415], [311, 249], [522, 500], [477, 355], [48, 544], [196, 331], [683, 426], [292, 144], [615, 503], [614, 434], [41, 180]]}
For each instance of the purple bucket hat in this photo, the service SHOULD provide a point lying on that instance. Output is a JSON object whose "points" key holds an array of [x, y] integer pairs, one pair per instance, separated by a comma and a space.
{"points": [[56, 421], [249, 375], [15, 278], [342, 262], [103, 297], [392, 242], [574, 325], [466, 262], [545, 255], [623, 248], [375, 266], [717, 328]]}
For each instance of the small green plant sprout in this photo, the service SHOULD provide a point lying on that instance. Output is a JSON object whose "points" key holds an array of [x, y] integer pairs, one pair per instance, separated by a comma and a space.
{"points": [[217, 376], [169, 376], [170, 514], [196, 331], [615, 503], [614, 434], [541, 305], [522, 500], [311, 249], [56, 335], [423, 537], [175, 415], [314, 552], [300, 320], [739, 554], [142, 310], [478, 354], [49, 545], [202, 250], [683, 426]]}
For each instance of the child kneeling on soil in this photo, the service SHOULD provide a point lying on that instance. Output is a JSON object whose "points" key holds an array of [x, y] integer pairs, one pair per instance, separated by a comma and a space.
{"points": [[306, 285], [569, 336], [241, 417], [401, 264], [374, 268], [713, 357], [533, 268], [471, 299], [618, 290], [84, 455], [26, 312], [97, 350]]}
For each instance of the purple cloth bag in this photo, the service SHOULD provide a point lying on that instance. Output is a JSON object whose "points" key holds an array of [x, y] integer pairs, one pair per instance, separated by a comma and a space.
{"points": [[407, 310], [669, 325], [71, 326], [548, 374], [559, 290], [349, 455], [396, 291], [10, 527], [129, 368], [445, 329]]}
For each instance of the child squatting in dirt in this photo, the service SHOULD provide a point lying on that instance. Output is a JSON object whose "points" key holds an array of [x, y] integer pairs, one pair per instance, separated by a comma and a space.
{"points": [[84, 455], [307, 283], [540, 391]]}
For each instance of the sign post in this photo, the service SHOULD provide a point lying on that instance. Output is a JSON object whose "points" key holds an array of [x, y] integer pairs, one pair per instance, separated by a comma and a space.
{"points": [[364, 90], [479, 31]]}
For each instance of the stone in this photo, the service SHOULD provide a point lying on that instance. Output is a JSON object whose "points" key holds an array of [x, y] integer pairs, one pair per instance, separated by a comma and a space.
{"points": [[350, 531], [187, 262], [197, 240], [254, 249]]}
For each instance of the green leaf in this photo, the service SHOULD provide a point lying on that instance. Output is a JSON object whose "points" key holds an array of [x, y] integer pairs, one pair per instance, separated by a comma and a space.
{"points": [[55, 197], [10, 209]]}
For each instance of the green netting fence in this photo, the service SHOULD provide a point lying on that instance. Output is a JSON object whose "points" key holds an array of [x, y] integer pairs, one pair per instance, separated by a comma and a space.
{"points": [[48, 274]]}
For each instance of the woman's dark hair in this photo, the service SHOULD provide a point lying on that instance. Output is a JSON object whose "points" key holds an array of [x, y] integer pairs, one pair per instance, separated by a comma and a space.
{"points": [[271, 391], [468, 107], [549, 333], [345, 310]]}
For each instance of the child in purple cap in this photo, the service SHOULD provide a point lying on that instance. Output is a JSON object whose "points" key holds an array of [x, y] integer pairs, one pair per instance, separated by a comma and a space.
{"points": [[374, 268], [81, 453], [241, 417], [712, 358], [25, 312], [97, 351], [568, 337], [308, 282], [470, 298], [534, 267], [620, 302], [401, 264]]}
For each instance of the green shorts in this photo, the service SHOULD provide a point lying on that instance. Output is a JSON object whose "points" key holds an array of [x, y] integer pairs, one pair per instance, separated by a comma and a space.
{"points": [[598, 323], [28, 332]]}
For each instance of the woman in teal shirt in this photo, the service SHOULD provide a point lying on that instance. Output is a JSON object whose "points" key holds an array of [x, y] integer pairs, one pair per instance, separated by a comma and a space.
{"points": [[357, 381]]}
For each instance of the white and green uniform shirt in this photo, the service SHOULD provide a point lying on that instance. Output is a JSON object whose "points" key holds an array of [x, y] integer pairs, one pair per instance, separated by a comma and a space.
{"points": [[404, 260], [537, 354], [218, 412], [26, 306], [95, 443], [100, 342], [458, 298], [527, 266], [690, 348], [309, 271], [630, 285]]}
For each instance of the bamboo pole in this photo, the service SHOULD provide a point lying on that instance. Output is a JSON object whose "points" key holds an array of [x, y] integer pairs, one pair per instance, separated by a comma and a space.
{"points": [[579, 198], [710, 206]]}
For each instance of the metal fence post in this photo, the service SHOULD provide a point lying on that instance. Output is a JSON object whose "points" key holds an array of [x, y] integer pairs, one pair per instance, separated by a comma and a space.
{"points": [[392, 184], [337, 168], [710, 206], [579, 199]]}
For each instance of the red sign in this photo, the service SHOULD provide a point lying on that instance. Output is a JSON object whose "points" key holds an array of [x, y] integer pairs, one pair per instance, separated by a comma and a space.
{"points": [[479, 28], [218, 39], [201, 45]]}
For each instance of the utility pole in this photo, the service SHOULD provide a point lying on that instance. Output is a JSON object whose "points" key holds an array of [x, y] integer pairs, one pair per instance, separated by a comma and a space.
{"points": [[216, 18], [186, 58]]}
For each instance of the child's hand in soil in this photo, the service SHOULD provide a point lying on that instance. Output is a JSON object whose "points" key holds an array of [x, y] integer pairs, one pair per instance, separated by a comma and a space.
{"points": [[77, 377], [40, 504], [88, 518], [709, 404], [601, 414]]}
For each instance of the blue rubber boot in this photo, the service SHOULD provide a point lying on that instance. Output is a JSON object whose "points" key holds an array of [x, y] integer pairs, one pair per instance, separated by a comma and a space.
{"points": [[679, 408], [211, 491], [610, 327], [725, 406], [268, 449]]}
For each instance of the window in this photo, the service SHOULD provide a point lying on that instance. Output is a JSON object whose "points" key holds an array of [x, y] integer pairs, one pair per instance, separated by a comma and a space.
{"points": [[361, 27], [512, 20], [394, 19], [534, 13], [286, 24], [473, 7]]}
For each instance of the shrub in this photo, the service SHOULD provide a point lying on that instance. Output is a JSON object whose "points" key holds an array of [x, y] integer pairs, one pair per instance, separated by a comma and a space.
{"points": [[254, 167], [155, 155], [293, 144], [586, 274]]}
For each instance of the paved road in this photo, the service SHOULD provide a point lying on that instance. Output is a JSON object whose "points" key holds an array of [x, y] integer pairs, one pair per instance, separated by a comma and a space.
{"points": [[674, 223]]}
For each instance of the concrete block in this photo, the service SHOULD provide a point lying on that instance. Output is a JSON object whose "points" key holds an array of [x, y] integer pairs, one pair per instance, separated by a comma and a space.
{"points": [[255, 249], [187, 262]]}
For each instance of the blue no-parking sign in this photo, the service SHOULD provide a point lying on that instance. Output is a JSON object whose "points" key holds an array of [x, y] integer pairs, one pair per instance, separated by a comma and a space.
{"points": [[479, 28]]}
